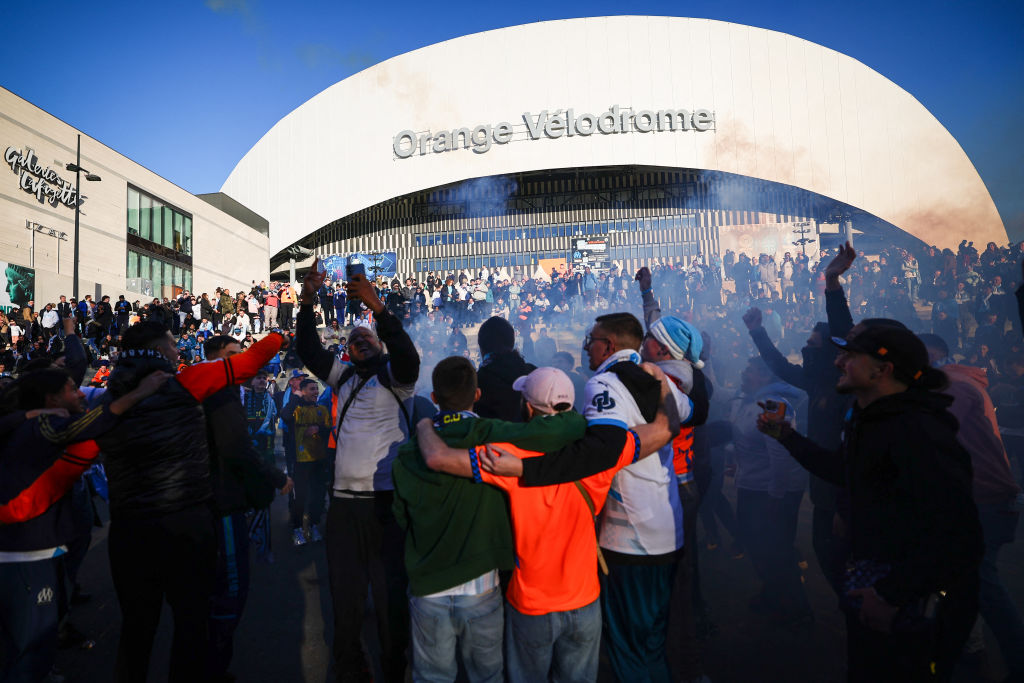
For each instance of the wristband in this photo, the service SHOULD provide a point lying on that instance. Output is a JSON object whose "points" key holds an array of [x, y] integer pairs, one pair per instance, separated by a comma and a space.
{"points": [[474, 463], [646, 291]]}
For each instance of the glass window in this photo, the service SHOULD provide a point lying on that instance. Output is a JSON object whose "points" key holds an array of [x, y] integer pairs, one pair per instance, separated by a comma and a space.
{"points": [[178, 279], [157, 278], [168, 223], [177, 244], [144, 268], [133, 211], [188, 280], [145, 217], [133, 262], [187, 233], [157, 221]]}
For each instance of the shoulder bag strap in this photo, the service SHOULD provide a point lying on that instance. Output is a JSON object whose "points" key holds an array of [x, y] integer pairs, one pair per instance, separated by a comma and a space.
{"points": [[348, 402], [593, 513]]}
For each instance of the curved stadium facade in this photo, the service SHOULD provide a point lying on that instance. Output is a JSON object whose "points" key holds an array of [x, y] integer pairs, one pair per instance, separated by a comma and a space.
{"points": [[648, 138]]}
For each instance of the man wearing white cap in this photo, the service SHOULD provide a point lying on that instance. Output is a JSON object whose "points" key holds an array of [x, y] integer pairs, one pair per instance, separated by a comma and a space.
{"points": [[553, 619]]}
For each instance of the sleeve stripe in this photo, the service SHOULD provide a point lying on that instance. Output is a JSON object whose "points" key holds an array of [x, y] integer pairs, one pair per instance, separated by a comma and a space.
{"points": [[610, 421], [73, 429]]}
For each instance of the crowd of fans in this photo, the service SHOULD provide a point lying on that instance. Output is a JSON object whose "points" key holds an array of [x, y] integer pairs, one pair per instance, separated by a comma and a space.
{"points": [[914, 484]]}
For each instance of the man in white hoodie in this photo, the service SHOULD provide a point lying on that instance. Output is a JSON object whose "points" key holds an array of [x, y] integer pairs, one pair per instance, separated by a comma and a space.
{"points": [[769, 490]]}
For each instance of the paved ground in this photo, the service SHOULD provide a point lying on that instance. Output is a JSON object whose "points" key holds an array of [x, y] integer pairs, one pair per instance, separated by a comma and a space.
{"points": [[284, 635]]}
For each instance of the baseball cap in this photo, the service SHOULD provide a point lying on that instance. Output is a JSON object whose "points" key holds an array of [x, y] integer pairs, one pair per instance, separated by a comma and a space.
{"points": [[298, 373], [548, 390], [895, 345]]}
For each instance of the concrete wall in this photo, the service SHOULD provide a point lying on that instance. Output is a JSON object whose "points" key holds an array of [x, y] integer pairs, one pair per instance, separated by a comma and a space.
{"points": [[226, 252]]}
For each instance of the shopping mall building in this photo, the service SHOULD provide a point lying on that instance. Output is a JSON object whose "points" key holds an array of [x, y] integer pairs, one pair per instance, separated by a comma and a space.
{"points": [[648, 138], [140, 234]]}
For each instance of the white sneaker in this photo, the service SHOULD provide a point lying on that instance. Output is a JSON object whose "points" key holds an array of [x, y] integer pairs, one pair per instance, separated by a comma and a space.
{"points": [[298, 537]]}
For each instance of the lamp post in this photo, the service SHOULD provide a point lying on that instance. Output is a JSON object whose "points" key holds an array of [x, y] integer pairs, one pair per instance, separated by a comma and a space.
{"points": [[92, 177]]}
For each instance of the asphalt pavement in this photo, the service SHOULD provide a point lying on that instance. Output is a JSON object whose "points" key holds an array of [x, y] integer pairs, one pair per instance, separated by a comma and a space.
{"points": [[285, 632]]}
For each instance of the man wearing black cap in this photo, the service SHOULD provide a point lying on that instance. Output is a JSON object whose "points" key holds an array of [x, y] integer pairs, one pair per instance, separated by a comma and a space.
{"points": [[911, 588]]}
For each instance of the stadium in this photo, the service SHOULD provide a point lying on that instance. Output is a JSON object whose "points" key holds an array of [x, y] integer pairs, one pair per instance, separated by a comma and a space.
{"points": [[606, 140]]}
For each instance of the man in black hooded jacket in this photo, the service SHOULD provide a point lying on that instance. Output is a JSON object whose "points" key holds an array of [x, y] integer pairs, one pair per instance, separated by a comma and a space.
{"points": [[914, 530], [501, 366]]}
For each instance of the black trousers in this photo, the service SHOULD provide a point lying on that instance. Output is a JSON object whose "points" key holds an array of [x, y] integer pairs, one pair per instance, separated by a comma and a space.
{"points": [[284, 316], [310, 490], [365, 548], [172, 557]]}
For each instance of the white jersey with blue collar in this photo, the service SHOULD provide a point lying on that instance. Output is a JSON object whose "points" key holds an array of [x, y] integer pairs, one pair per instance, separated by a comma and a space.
{"points": [[643, 515]]}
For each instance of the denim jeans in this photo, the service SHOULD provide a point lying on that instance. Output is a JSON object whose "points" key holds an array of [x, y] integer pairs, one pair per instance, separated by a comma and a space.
{"points": [[468, 624], [995, 604], [28, 619], [559, 646]]}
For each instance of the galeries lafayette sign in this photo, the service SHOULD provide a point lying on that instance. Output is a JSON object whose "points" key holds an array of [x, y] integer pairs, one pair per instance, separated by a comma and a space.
{"points": [[44, 183], [565, 122]]}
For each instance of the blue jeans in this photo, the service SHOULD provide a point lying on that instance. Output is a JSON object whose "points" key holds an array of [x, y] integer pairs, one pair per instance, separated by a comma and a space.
{"points": [[469, 624], [559, 646], [999, 526], [28, 619], [230, 592]]}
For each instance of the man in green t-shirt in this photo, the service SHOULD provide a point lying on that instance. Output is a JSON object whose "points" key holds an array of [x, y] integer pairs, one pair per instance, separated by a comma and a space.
{"points": [[458, 533]]}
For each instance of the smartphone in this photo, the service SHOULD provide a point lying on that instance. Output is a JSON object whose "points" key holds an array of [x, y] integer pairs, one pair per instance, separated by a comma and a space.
{"points": [[353, 269]]}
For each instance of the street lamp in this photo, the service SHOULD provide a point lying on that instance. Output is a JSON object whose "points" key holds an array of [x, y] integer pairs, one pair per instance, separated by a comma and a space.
{"points": [[77, 168]]}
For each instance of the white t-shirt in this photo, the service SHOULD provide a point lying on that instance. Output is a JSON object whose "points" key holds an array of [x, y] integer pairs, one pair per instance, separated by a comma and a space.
{"points": [[643, 515]]}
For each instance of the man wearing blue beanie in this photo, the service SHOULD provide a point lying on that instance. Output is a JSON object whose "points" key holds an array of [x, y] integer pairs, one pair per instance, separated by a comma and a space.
{"points": [[675, 346]]}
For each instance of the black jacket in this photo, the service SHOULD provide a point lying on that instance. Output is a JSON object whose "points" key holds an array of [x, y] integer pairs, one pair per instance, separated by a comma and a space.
{"points": [[157, 460], [909, 485], [232, 457], [495, 377]]}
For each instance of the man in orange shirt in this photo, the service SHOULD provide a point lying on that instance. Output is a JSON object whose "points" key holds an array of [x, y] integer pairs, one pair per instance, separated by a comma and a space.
{"points": [[553, 620]]}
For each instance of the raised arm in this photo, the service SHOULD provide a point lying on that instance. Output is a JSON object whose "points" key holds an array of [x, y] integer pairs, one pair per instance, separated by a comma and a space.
{"points": [[205, 379], [311, 352], [404, 359], [75, 361], [790, 373], [839, 319], [652, 309]]}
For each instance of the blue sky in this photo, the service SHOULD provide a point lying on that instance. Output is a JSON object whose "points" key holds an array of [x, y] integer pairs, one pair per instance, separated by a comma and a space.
{"points": [[186, 88]]}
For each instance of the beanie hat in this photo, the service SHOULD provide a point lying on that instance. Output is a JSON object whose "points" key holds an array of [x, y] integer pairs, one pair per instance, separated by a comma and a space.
{"points": [[682, 339]]}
